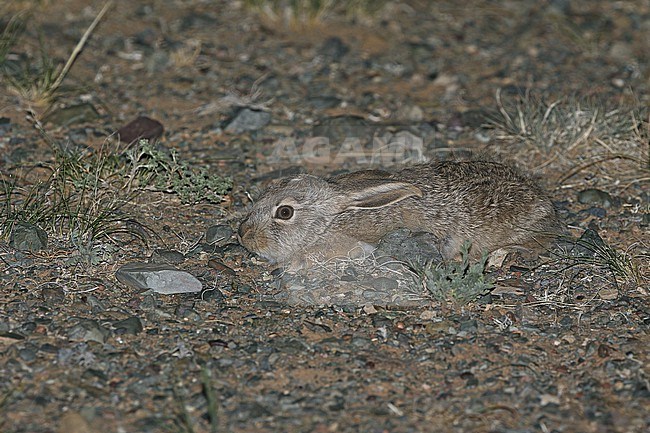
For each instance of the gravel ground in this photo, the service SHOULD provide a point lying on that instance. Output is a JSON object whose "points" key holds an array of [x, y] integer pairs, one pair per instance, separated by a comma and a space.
{"points": [[558, 88]]}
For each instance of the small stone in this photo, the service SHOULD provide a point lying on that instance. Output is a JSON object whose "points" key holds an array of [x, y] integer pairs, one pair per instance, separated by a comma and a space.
{"points": [[131, 326], [212, 295], [469, 325], [27, 354], [595, 197], [28, 237], [598, 212], [369, 309], [222, 268], [140, 128], [248, 120], [588, 244], [5, 125], [54, 295], [169, 256], [218, 234], [89, 330], [186, 313], [334, 48], [160, 278]]}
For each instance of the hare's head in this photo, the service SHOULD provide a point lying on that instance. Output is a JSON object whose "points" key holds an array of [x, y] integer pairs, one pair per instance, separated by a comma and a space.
{"points": [[293, 213], [295, 216]]}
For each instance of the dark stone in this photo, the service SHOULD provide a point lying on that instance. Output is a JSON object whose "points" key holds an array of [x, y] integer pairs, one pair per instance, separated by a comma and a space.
{"points": [[5, 125], [131, 326], [333, 48], [187, 313], [169, 256], [212, 295], [28, 237], [54, 295], [219, 234], [141, 128]]}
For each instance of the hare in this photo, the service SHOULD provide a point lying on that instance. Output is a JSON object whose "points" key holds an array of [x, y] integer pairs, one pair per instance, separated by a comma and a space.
{"points": [[303, 219]]}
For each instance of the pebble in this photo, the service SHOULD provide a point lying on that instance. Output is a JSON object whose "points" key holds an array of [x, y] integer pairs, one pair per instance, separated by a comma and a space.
{"points": [[141, 127], [595, 197], [219, 234], [131, 326], [333, 49], [160, 278], [28, 237], [27, 354], [5, 126], [172, 257], [89, 330], [212, 295], [598, 212], [187, 313], [248, 120], [221, 267], [53, 295]]}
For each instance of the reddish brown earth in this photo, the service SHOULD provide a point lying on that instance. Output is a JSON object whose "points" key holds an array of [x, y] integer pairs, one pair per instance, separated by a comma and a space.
{"points": [[563, 348]]}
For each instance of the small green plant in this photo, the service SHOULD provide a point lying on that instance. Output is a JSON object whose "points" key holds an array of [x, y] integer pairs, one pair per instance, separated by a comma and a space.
{"points": [[458, 283], [163, 171]]}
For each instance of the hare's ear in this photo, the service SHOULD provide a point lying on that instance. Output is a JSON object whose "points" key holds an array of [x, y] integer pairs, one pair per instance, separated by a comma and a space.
{"points": [[381, 195]]}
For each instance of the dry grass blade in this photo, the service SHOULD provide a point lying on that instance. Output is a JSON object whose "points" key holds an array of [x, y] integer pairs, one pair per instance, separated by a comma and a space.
{"points": [[40, 89], [583, 134]]}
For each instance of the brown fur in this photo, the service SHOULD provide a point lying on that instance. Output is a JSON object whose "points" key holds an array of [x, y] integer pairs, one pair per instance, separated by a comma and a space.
{"points": [[488, 203]]}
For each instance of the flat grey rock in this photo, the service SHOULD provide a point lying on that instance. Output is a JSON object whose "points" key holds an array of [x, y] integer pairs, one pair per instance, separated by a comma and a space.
{"points": [[160, 278], [248, 120]]}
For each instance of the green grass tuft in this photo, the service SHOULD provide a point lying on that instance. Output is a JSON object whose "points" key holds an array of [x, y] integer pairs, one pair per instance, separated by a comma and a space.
{"points": [[458, 283]]}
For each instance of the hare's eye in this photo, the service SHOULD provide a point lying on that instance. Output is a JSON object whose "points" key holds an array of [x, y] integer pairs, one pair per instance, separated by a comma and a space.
{"points": [[284, 212]]}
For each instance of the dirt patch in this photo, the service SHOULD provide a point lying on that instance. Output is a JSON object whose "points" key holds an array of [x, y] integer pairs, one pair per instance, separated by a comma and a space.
{"points": [[558, 88]]}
